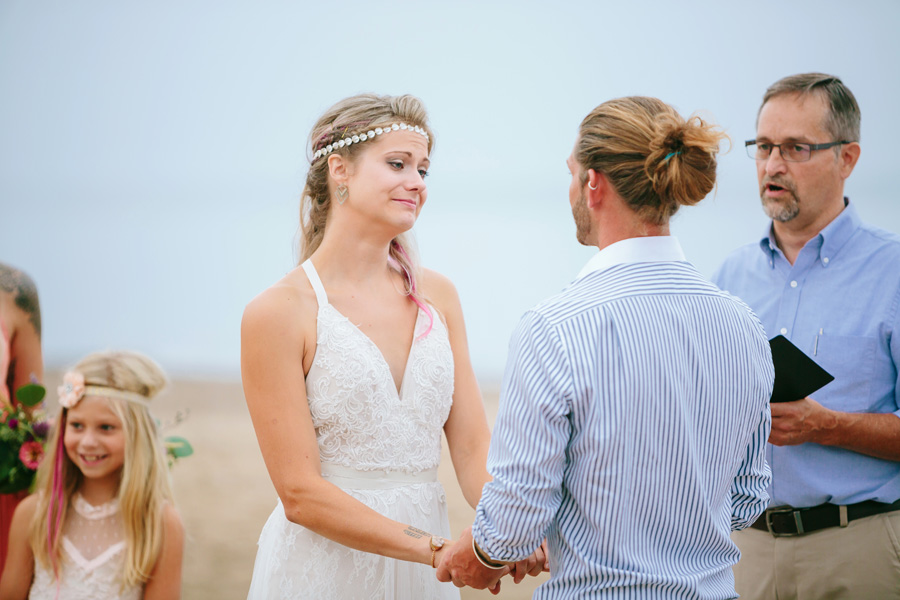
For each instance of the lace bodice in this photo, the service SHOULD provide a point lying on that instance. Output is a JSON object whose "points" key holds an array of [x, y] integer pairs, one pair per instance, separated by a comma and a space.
{"points": [[93, 553], [382, 448], [361, 421]]}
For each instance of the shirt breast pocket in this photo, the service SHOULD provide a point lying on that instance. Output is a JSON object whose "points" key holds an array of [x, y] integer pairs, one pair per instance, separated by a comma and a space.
{"points": [[850, 359]]}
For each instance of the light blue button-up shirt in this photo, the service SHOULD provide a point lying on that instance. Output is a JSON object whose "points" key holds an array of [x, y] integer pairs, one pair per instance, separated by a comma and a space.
{"points": [[631, 433], [839, 303]]}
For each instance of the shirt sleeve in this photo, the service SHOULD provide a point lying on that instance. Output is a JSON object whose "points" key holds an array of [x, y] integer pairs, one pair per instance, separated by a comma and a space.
{"points": [[749, 497], [718, 276], [527, 458], [895, 351]]}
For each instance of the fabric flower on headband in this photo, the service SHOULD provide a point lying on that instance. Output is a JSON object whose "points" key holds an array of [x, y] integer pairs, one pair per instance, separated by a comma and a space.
{"points": [[72, 389]]}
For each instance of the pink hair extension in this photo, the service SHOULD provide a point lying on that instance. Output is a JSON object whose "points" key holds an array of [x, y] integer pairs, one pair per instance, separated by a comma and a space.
{"points": [[413, 292], [322, 141], [326, 137], [57, 498]]}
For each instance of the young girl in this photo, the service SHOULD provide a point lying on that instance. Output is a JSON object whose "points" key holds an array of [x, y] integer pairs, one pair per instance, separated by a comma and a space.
{"points": [[102, 524]]}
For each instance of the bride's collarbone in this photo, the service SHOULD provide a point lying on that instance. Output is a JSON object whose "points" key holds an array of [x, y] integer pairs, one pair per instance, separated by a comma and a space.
{"points": [[390, 312], [388, 324]]}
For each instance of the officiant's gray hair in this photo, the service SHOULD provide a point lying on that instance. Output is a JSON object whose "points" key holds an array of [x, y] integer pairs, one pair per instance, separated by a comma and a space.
{"points": [[843, 118]]}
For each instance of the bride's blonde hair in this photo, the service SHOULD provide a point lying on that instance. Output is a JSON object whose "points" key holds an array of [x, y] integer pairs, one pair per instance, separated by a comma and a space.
{"points": [[144, 487], [355, 115]]}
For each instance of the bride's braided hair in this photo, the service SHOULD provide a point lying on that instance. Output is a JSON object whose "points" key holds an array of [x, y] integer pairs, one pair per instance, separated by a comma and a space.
{"points": [[355, 115]]}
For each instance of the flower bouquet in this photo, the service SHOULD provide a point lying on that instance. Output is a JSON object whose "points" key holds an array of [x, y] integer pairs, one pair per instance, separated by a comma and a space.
{"points": [[22, 438]]}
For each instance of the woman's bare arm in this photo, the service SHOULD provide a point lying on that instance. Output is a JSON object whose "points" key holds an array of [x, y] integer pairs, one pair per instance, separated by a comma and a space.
{"points": [[273, 346], [23, 321]]}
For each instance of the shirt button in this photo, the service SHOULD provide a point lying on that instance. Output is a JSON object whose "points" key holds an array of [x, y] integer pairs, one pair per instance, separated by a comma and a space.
{"points": [[825, 260], [793, 284], [783, 331]]}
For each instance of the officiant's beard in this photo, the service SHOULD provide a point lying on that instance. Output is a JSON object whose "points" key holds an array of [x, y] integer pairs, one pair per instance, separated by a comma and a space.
{"points": [[582, 221], [783, 211]]}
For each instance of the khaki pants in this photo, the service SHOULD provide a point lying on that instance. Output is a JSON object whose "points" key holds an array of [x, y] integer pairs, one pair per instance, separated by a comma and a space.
{"points": [[857, 562]]}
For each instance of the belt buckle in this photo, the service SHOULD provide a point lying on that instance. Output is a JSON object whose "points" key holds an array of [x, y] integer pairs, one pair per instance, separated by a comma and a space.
{"points": [[784, 510]]}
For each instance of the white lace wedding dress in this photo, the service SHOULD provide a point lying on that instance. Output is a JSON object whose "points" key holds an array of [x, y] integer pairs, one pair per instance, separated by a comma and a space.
{"points": [[93, 557], [381, 447]]}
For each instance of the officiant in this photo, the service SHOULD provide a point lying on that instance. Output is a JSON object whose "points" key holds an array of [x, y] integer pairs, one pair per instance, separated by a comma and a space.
{"points": [[831, 284]]}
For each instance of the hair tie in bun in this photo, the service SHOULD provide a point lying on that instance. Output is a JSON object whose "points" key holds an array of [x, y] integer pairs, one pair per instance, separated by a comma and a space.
{"points": [[670, 155]]}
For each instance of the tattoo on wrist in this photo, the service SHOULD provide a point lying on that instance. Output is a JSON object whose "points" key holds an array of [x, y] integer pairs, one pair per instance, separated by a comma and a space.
{"points": [[415, 532]]}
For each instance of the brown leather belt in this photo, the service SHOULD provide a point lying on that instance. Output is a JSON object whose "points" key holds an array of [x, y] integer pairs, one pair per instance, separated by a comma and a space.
{"points": [[785, 521]]}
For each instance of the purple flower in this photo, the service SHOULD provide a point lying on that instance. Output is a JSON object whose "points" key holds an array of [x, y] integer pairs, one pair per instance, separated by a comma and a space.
{"points": [[41, 429], [13, 423]]}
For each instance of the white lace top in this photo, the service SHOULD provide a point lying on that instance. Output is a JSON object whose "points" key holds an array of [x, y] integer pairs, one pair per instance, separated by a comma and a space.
{"points": [[382, 448], [361, 421], [93, 545]]}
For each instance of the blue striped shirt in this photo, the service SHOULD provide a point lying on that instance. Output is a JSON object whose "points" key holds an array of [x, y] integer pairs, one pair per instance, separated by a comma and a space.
{"points": [[631, 433]]}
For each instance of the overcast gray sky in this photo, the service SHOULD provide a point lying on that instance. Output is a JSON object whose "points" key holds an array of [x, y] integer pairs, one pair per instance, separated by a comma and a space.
{"points": [[152, 153]]}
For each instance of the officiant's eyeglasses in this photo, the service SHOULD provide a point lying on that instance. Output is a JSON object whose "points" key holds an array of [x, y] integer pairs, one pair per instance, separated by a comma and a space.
{"points": [[790, 151]]}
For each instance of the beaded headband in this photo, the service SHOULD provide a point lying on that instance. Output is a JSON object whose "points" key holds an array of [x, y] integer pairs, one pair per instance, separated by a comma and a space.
{"points": [[368, 135], [73, 390]]}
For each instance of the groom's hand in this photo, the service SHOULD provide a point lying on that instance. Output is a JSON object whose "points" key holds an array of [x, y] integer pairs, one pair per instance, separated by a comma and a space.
{"points": [[534, 565], [460, 566]]}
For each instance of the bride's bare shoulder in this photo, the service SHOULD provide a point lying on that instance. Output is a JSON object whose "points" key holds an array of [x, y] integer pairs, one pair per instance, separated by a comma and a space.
{"points": [[440, 291], [289, 302]]}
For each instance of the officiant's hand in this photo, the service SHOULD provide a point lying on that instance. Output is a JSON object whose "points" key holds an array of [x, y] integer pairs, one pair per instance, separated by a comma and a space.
{"points": [[459, 565], [799, 422]]}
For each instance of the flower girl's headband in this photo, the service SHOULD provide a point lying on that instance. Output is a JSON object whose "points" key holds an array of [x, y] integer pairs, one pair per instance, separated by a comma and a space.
{"points": [[367, 135], [73, 390]]}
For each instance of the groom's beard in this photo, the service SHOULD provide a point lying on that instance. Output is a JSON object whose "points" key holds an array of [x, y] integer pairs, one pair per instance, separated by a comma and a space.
{"points": [[582, 221]]}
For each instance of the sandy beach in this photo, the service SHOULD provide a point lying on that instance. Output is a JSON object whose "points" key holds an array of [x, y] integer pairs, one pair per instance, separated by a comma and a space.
{"points": [[224, 494]]}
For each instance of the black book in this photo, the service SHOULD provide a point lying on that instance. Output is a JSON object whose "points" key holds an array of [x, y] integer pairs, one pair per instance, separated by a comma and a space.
{"points": [[796, 375]]}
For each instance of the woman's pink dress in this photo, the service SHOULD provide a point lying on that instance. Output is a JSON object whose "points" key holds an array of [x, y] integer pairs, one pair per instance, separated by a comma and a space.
{"points": [[8, 502]]}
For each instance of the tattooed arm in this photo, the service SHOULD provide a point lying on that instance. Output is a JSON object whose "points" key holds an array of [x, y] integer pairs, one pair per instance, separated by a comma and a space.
{"points": [[21, 315], [278, 337]]}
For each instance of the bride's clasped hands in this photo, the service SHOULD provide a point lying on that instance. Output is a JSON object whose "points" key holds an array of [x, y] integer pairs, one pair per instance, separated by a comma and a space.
{"points": [[459, 563]]}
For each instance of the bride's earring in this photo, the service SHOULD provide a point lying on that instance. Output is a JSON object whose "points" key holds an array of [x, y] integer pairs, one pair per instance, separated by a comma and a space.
{"points": [[342, 193]]}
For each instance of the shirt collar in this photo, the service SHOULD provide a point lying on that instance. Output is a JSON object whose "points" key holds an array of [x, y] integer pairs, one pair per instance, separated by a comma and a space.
{"points": [[831, 239], [657, 248], [839, 231]]}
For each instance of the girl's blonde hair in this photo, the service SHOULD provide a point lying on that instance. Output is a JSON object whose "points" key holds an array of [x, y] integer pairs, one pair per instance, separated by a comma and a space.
{"points": [[144, 487]]}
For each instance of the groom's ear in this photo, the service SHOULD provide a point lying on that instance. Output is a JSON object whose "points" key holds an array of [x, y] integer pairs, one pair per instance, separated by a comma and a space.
{"points": [[598, 188]]}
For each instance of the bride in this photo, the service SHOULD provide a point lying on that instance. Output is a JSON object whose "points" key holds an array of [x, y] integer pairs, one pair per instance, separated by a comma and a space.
{"points": [[352, 365]]}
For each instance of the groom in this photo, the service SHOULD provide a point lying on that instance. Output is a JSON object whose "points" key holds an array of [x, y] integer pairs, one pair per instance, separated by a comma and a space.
{"points": [[634, 410]]}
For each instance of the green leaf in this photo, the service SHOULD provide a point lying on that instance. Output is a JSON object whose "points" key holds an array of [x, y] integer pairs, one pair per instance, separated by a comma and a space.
{"points": [[178, 447], [30, 394]]}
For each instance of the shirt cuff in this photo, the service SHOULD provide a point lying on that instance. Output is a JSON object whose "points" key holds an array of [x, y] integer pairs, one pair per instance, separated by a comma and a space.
{"points": [[488, 545]]}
